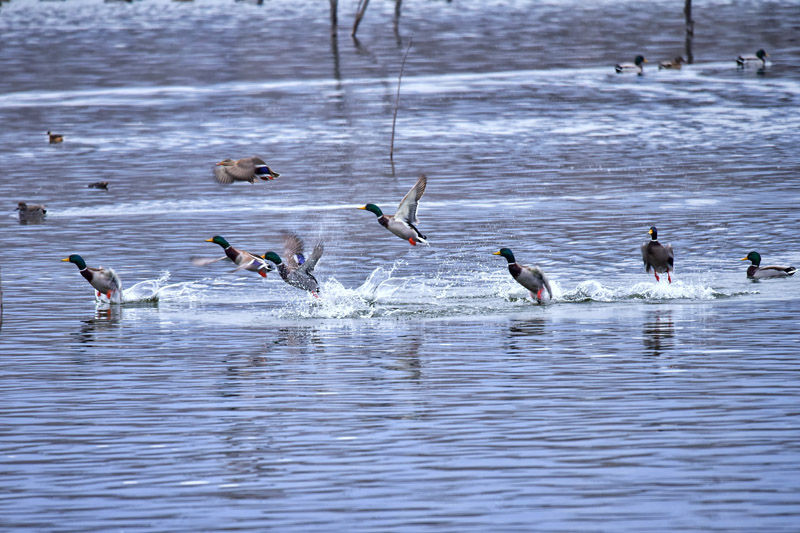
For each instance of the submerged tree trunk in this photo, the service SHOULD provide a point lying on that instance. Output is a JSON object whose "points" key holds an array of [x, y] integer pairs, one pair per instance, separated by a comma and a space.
{"points": [[397, 100], [687, 11], [334, 15], [362, 7]]}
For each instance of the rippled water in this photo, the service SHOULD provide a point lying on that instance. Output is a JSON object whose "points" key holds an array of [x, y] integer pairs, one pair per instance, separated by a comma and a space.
{"points": [[424, 389]]}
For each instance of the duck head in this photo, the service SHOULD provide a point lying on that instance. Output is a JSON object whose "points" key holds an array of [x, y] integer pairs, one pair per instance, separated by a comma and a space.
{"points": [[219, 240], [77, 260], [762, 54], [753, 257], [508, 254], [272, 256], [639, 61], [372, 208], [21, 206], [653, 233]]}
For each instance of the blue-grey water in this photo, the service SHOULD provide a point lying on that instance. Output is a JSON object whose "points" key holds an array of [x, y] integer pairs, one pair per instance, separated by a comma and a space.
{"points": [[424, 390]]}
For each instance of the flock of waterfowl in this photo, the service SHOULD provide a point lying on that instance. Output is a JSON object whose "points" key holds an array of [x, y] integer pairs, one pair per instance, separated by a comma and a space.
{"points": [[742, 61], [297, 270]]}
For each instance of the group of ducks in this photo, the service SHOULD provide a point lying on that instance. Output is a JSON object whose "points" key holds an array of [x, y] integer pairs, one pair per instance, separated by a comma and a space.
{"points": [[297, 270], [638, 63]]}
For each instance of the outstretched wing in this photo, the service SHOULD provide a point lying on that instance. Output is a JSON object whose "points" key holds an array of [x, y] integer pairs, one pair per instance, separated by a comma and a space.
{"points": [[241, 170], [407, 210], [222, 175], [311, 262], [293, 250], [670, 255], [203, 261]]}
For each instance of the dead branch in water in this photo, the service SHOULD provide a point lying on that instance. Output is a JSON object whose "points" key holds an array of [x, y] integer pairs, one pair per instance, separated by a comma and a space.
{"points": [[334, 15], [687, 11], [362, 7], [397, 99]]}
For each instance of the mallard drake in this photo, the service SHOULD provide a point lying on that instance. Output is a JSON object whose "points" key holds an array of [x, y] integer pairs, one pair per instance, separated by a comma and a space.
{"points": [[103, 185], [532, 278], [30, 212], [403, 222], [672, 64], [761, 55], [55, 138], [245, 169], [244, 260], [637, 66], [755, 271], [297, 271], [104, 280], [657, 256]]}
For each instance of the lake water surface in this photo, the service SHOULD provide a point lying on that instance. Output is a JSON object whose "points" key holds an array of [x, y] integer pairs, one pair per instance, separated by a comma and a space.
{"points": [[424, 390]]}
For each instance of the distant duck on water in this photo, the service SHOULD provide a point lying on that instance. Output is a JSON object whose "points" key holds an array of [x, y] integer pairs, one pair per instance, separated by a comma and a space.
{"points": [[756, 271], [532, 278], [637, 66], [657, 256], [245, 169], [30, 212], [672, 64], [54, 138], [760, 57], [104, 280]]}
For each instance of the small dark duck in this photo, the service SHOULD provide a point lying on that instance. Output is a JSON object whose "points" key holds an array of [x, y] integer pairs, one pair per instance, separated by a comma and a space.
{"points": [[55, 138], [637, 66], [246, 169], [404, 221], [104, 280], [760, 57], [297, 270], [657, 256], [243, 260], [532, 278], [102, 185], [674, 64], [756, 271], [30, 212]]}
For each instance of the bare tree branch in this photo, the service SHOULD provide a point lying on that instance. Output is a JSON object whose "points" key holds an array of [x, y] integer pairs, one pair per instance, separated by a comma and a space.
{"points": [[397, 98]]}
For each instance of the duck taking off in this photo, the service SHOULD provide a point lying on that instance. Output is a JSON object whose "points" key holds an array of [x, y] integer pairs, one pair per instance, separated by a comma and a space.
{"points": [[760, 57], [297, 270], [532, 278], [404, 221], [104, 280], [637, 66], [756, 271], [657, 256], [245, 169], [243, 260]]}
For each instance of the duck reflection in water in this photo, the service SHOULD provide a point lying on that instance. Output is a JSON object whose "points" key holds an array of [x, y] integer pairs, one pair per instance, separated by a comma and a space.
{"points": [[657, 332], [105, 319], [520, 333]]}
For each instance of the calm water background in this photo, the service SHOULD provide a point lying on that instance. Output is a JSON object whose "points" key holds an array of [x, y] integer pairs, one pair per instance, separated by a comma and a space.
{"points": [[424, 390]]}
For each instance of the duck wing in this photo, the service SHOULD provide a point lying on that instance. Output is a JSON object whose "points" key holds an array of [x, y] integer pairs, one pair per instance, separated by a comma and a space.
{"points": [[407, 210], [203, 261], [105, 279], [311, 262], [241, 170], [293, 250], [774, 271]]}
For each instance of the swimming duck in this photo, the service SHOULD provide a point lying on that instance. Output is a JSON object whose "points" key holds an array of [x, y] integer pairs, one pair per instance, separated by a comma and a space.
{"points": [[403, 222], [244, 260], [245, 169], [754, 271], [673, 64], [103, 185], [532, 278], [761, 55], [657, 256], [637, 66], [297, 271], [30, 212], [104, 280], [55, 138]]}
